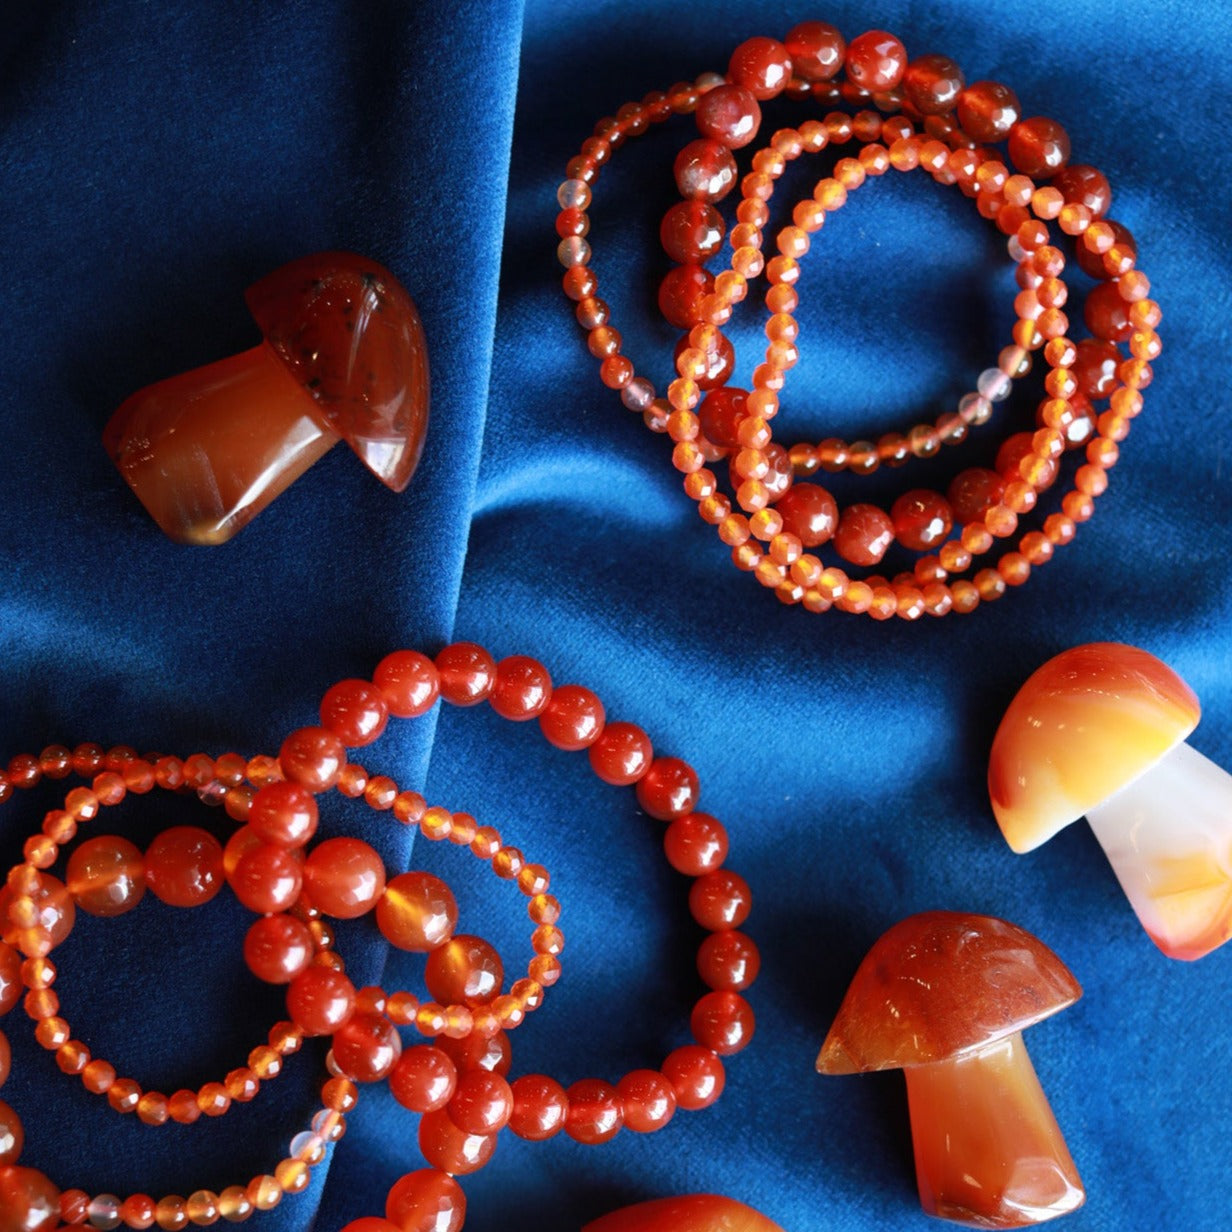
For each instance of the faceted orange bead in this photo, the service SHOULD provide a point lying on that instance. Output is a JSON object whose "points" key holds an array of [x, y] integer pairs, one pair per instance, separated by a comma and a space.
{"points": [[29, 1202], [344, 877], [12, 1136], [987, 110], [466, 969], [428, 1200], [450, 1149], [1039, 146], [876, 61], [366, 1047], [864, 534]]}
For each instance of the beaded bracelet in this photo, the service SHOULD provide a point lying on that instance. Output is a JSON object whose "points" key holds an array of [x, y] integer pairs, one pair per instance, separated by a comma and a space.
{"points": [[1116, 311]]}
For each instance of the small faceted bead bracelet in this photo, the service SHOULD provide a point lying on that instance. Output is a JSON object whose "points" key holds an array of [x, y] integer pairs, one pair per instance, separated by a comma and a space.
{"points": [[458, 1085], [38, 912], [959, 124]]}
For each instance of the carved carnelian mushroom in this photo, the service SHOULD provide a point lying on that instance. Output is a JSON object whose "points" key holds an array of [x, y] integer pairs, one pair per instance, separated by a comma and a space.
{"points": [[945, 996], [1100, 731], [343, 358], [689, 1213]]}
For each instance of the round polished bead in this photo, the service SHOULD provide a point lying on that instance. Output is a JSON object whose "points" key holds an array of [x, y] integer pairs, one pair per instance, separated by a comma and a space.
{"points": [[540, 1106], [1107, 314], [681, 293], [864, 534], [722, 1022], [728, 961], [705, 171], [876, 61], [467, 673], [355, 711], [424, 1078], [669, 789], [417, 912], [760, 65], [719, 364], [972, 491], [808, 512], [692, 232], [284, 814], [721, 413], [366, 1047], [183, 866], [29, 1202], [695, 844], [11, 986], [482, 1102], [465, 970], [278, 948], [428, 1200], [987, 110], [932, 83], [817, 50], [476, 1051], [595, 1113], [106, 876], [573, 719], [320, 1000], [344, 877], [1093, 263], [1082, 184], [1095, 367], [696, 1074], [452, 1150], [1039, 146], [922, 519], [728, 114], [409, 683], [648, 1100], [12, 1136], [622, 754], [720, 900], [267, 879], [370, 1223], [522, 690], [312, 757]]}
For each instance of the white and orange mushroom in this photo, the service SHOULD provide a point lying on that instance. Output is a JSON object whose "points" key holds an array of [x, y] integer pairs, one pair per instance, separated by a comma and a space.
{"points": [[1100, 731]]}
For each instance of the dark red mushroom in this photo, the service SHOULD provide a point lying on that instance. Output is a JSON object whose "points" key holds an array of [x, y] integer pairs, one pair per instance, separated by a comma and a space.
{"points": [[945, 996], [343, 358]]}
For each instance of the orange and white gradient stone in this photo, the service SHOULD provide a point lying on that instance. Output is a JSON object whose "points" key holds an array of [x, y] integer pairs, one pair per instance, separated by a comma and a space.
{"points": [[689, 1213]]}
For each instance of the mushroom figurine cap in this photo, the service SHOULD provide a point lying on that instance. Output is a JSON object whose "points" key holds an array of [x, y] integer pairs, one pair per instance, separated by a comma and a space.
{"points": [[1086, 724], [353, 339], [939, 984], [688, 1213]]}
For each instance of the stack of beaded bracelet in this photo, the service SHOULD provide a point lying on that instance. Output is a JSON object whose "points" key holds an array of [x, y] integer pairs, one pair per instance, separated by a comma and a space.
{"points": [[779, 518], [457, 1082]]}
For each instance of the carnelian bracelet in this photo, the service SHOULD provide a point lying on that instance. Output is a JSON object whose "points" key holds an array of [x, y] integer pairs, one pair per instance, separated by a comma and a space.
{"points": [[1118, 310]]}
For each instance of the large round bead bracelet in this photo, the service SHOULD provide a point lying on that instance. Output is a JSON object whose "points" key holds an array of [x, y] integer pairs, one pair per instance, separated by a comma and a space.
{"points": [[774, 515], [455, 1080]]}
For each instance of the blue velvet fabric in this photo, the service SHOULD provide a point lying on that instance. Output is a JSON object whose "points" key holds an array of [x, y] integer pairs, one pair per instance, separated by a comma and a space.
{"points": [[157, 158]]}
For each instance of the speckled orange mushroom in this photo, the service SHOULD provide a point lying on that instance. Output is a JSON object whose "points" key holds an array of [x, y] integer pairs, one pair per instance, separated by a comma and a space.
{"points": [[689, 1213], [945, 996], [343, 358], [1099, 730]]}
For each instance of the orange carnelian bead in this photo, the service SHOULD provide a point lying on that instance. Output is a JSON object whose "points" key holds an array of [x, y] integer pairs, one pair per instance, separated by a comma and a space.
{"points": [[11, 986], [28, 1200], [138, 1211], [729, 115], [931, 84], [691, 232], [450, 1149], [760, 65], [370, 1223], [424, 1078], [573, 719], [864, 534], [344, 877], [668, 789], [355, 711], [54, 911], [876, 61], [1038, 146], [213, 1098], [808, 512], [681, 292], [171, 1213], [366, 1047], [284, 814], [522, 688], [320, 1000], [6, 1058], [720, 900], [595, 1111], [695, 844], [987, 110], [466, 969], [540, 1106], [622, 754], [705, 170], [12, 1135], [183, 1107], [482, 1102], [106, 876], [312, 757], [278, 948], [1107, 314], [408, 681], [428, 1200], [648, 1100], [723, 1022], [417, 912], [728, 960], [267, 879], [922, 519]]}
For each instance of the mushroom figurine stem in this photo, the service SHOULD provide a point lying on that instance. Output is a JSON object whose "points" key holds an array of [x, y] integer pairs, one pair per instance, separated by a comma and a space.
{"points": [[988, 1150], [207, 450], [1168, 837]]}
